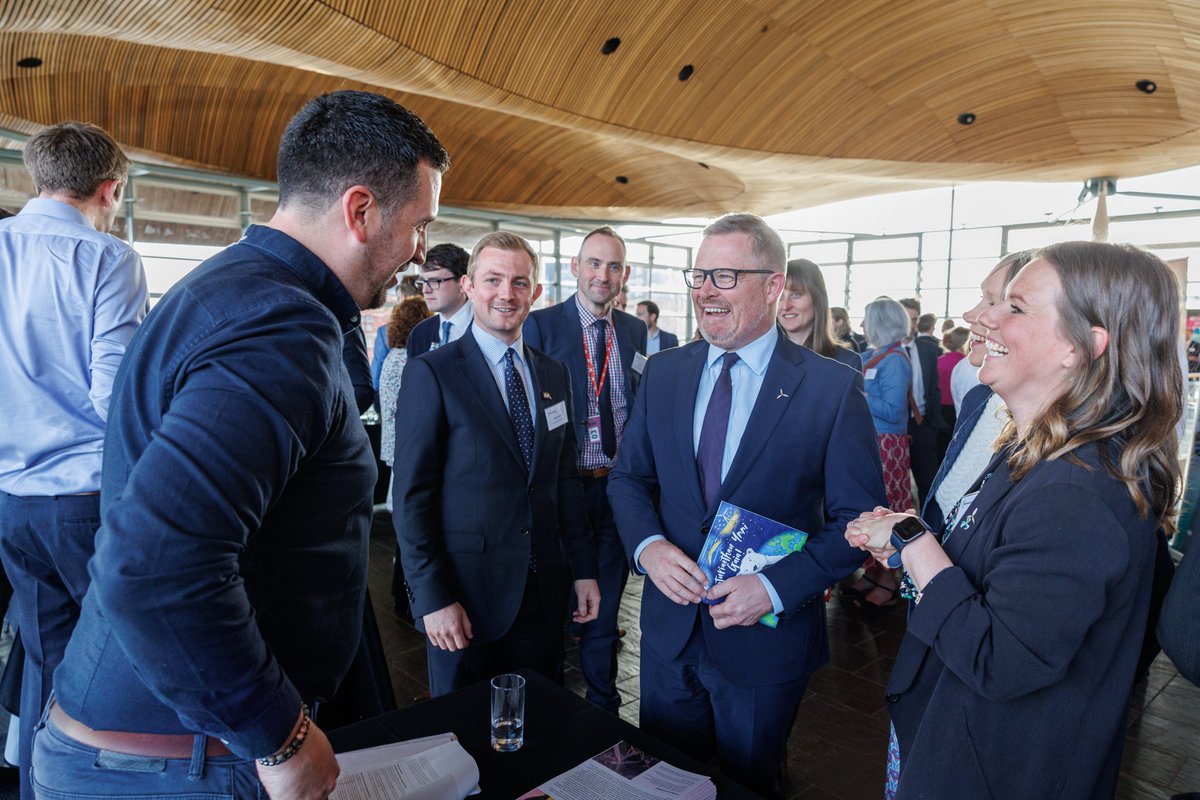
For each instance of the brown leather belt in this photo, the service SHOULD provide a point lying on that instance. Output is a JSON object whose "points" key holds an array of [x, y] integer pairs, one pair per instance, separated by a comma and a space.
{"points": [[153, 745], [602, 472]]}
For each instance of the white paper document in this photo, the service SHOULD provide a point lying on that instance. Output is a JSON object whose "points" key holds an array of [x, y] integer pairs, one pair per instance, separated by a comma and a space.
{"points": [[432, 768]]}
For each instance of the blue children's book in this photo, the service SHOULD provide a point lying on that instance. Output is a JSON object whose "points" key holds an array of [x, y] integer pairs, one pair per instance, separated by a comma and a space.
{"points": [[741, 542]]}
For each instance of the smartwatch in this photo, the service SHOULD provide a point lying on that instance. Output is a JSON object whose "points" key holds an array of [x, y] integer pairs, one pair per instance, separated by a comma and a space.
{"points": [[904, 532]]}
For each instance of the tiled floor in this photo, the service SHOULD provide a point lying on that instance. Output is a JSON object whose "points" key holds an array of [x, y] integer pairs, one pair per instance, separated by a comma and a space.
{"points": [[837, 748]]}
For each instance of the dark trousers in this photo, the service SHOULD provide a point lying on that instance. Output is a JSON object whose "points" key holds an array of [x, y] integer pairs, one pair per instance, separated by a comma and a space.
{"points": [[533, 642], [45, 543], [688, 702], [923, 455], [598, 638]]}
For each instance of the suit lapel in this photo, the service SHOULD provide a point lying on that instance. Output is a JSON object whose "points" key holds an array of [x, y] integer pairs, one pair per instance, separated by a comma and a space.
{"points": [[577, 366], [686, 386], [783, 376], [625, 351], [995, 487], [483, 389], [541, 384]]}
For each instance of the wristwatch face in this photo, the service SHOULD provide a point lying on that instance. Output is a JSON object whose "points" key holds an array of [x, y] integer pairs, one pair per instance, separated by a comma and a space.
{"points": [[908, 529]]}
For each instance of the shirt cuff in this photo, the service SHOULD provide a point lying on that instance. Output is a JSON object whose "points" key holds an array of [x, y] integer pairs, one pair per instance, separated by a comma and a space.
{"points": [[776, 603], [637, 554]]}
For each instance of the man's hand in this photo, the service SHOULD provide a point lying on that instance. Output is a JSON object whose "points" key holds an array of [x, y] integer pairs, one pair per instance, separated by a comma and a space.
{"points": [[746, 601], [587, 592], [673, 572], [311, 774], [872, 531], [448, 628]]}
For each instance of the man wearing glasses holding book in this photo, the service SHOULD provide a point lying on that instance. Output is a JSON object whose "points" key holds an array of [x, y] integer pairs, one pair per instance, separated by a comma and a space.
{"points": [[778, 431]]}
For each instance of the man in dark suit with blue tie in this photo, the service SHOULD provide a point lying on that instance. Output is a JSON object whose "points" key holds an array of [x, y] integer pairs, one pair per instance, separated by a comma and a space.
{"points": [[487, 496], [604, 350], [441, 285], [657, 339], [751, 418]]}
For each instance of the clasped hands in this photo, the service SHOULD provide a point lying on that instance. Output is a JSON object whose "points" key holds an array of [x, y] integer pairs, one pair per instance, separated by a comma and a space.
{"points": [[872, 532], [682, 581]]}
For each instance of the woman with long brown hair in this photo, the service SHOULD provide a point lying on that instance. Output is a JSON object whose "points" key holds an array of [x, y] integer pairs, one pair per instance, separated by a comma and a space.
{"points": [[804, 313], [1029, 610]]}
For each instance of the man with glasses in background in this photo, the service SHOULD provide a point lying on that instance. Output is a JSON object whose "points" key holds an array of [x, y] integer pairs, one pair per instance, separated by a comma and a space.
{"points": [[753, 419], [441, 286]]}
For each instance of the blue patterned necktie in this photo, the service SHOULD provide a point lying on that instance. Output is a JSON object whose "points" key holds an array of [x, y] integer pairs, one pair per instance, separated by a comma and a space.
{"points": [[446, 325], [518, 408], [711, 451]]}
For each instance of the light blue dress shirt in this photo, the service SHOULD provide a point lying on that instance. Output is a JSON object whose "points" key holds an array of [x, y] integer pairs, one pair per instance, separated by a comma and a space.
{"points": [[747, 376], [493, 352], [653, 343], [70, 299]]}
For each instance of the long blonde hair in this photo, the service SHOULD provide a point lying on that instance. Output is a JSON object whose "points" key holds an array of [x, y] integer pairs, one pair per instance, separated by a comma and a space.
{"points": [[1129, 398]]}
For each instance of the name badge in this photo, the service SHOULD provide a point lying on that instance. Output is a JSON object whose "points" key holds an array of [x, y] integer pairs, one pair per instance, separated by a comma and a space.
{"points": [[593, 429], [870, 374], [639, 363], [556, 415]]}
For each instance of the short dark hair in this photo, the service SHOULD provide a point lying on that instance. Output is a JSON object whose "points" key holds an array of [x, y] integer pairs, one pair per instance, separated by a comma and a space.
{"points": [[910, 302], [349, 137], [651, 307], [74, 158], [925, 323], [447, 256]]}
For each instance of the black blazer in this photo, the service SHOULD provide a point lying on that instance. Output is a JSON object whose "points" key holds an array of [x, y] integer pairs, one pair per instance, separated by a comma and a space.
{"points": [[928, 351], [556, 332], [1015, 673], [466, 509], [423, 335]]}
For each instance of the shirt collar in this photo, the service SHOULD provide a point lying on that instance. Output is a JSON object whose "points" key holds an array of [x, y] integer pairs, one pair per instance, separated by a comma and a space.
{"points": [[49, 207], [587, 318], [755, 355], [493, 348], [310, 269], [461, 317]]}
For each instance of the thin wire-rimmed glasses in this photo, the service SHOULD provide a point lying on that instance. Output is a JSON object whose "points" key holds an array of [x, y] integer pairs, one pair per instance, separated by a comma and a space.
{"points": [[721, 278]]}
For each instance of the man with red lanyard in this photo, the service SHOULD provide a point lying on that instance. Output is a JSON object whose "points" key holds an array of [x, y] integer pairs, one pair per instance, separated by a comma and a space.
{"points": [[605, 350]]}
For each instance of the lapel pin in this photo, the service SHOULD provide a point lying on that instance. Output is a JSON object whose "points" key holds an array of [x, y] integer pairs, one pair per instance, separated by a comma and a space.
{"points": [[782, 393], [545, 395]]}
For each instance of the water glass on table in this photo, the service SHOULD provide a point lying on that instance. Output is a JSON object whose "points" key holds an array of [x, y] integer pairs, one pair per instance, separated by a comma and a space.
{"points": [[508, 712]]}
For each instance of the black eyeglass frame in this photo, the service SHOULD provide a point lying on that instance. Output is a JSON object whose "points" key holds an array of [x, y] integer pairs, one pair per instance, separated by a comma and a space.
{"points": [[432, 283], [711, 274]]}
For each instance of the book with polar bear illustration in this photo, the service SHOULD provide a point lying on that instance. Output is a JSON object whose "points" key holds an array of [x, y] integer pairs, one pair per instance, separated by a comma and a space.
{"points": [[741, 542]]}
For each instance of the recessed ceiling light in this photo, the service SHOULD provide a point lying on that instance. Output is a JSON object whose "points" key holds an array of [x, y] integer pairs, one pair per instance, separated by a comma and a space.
{"points": [[686, 72], [966, 118], [29, 62], [1149, 87], [610, 47], [701, 163], [622, 179]]}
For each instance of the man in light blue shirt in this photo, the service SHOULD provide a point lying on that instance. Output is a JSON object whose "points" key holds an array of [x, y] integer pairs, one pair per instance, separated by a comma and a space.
{"points": [[71, 296]]}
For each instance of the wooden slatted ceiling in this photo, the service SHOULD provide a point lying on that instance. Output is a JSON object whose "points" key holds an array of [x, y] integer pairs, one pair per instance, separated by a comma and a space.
{"points": [[793, 102]]}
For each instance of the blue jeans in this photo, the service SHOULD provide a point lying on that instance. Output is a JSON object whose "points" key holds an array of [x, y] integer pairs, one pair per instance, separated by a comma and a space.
{"points": [[64, 769], [45, 543]]}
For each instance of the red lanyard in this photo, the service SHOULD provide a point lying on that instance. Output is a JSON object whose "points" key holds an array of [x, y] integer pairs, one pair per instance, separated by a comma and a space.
{"points": [[587, 356]]}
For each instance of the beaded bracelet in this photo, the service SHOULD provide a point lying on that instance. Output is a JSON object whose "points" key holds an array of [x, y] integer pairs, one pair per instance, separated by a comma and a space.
{"points": [[292, 747]]}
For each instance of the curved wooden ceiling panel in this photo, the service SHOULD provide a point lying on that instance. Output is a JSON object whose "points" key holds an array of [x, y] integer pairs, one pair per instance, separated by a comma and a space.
{"points": [[791, 102]]}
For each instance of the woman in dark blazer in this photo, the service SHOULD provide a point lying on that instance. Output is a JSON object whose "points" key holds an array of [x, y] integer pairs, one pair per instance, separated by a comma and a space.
{"points": [[804, 314], [1014, 676]]}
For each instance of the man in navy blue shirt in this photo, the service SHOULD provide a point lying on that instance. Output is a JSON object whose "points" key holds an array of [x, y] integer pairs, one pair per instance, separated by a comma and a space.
{"points": [[229, 577]]}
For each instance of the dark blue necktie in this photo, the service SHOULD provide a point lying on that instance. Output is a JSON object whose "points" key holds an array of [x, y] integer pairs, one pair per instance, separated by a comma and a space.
{"points": [[446, 331], [518, 408], [711, 451], [608, 427]]}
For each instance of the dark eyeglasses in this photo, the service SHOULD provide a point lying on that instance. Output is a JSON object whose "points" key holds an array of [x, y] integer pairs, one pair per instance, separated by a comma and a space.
{"points": [[432, 283], [721, 278]]}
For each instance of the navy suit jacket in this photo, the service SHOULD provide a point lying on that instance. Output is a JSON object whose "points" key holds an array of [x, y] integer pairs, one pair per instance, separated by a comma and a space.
{"points": [[556, 332], [968, 416], [1015, 673], [666, 340], [466, 509], [423, 335], [808, 458]]}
